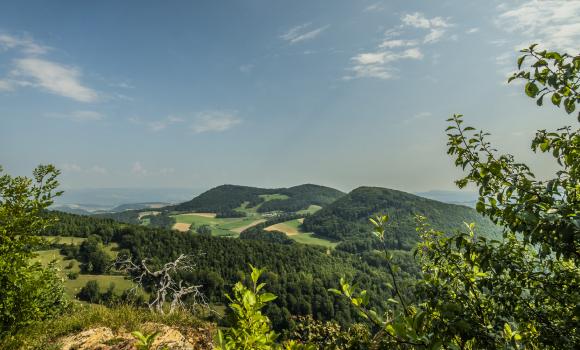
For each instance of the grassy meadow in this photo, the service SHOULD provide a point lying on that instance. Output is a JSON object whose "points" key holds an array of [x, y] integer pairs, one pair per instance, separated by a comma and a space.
{"points": [[65, 266]]}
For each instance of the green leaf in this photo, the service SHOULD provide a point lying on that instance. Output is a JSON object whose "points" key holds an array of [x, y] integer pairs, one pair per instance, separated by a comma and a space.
{"points": [[267, 297], [556, 99], [531, 89], [569, 105]]}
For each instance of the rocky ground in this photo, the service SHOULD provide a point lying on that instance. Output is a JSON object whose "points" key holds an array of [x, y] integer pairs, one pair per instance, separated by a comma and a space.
{"points": [[103, 338]]}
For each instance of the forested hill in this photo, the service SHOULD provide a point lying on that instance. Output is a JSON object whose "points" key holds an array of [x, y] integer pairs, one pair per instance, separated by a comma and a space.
{"points": [[229, 197], [348, 217]]}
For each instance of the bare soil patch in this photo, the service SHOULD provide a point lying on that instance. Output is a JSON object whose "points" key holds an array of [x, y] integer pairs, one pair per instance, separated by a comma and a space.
{"points": [[147, 213], [203, 215], [254, 223], [181, 226], [290, 231]]}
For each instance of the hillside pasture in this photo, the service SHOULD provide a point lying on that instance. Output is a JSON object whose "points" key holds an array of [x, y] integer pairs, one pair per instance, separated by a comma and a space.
{"points": [[203, 215], [270, 197], [310, 210], [253, 223], [292, 229], [219, 226], [72, 287]]}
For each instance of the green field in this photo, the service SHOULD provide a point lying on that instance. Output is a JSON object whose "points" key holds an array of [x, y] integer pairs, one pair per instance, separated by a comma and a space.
{"points": [[64, 266], [219, 227], [72, 287], [310, 210], [223, 226], [269, 197], [64, 239], [303, 237]]}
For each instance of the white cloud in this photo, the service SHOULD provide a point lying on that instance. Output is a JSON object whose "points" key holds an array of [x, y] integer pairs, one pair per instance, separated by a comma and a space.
{"points": [[472, 30], [552, 23], [302, 33], [376, 7], [33, 70], [75, 168], [78, 116], [391, 44], [434, 35], [215, 121], [138, 169], [157, 125], [24, 44], [436, 25], [416, 20], [378, 63], [71, 168], [53, 77], [375, 64]]}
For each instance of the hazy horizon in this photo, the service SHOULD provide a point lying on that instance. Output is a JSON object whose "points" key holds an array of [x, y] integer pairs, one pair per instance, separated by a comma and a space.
{"points": [[338, 93]]}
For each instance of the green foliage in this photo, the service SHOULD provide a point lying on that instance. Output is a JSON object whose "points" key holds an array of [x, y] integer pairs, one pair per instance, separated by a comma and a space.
{"points": [[28, 291], [252, 329], [144, 341], [330, 335], [555, 73], [204, 230], [476, 293]]}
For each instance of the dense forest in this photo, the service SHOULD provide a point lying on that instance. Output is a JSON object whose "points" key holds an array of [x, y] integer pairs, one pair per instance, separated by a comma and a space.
{"points": [[347, 219], [299, 274], [226, 198]]}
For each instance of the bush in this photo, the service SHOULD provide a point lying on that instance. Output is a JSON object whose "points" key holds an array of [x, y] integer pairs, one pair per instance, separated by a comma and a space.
{"points": [[28, 292]]}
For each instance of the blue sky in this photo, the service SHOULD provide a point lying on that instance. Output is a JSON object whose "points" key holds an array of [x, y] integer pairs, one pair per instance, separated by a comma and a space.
{"points": [[268, 93]]}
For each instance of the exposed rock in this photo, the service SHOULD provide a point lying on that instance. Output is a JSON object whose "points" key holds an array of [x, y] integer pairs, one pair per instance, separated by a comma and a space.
{"points": [[89, 339], [104, 338]]}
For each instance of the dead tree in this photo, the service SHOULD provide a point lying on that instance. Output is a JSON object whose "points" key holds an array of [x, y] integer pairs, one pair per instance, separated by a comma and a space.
{"points": [[165, 287]]}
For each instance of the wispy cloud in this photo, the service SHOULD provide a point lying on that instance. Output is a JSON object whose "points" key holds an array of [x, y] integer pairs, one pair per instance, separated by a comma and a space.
{"points": [[472, 30], [376, 7], [71, 168], [378, 63], [75, 168], [53, 77], [78, 116], [302, 32], [215, 121], [436, 25], [32, 69], [158, 124], [375, 64], [552, 23], [23, 44], [391, 44]]}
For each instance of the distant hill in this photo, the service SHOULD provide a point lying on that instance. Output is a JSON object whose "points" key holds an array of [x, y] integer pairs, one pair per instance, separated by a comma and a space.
{"points": [[348, 217], [139, 206], [454, 197], [226, 198]]}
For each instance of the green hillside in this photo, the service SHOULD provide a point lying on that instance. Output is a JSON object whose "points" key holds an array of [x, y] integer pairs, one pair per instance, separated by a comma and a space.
{"points": [[348, 217], [226, 198]]}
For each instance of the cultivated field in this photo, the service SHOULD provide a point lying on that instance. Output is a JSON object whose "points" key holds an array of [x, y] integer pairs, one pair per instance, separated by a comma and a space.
{"points": [[219, 226], [292, 230]]}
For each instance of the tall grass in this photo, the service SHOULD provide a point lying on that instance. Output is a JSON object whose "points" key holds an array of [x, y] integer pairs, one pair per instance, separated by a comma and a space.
{"points": [[44, 335]]}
